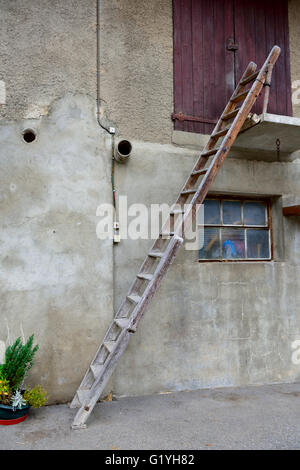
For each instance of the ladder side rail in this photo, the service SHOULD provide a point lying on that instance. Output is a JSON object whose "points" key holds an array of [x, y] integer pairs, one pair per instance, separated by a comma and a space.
{"points": [[94, 393], [159, 274], [267, 90], [117, 315], [100, 379], [251, 68], [227, 143], [99, 384]]}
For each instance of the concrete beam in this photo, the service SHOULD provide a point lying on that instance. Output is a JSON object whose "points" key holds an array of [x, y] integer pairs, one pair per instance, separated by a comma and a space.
{"points": [[271, 127], [291, 205]]}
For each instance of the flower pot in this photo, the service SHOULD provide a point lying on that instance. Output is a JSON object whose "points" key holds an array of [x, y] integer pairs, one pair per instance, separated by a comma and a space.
{"points": [[9, 415]]}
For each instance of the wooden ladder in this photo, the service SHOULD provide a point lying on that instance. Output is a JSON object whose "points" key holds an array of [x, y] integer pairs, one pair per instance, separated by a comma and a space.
{"points": [[161, 255]]}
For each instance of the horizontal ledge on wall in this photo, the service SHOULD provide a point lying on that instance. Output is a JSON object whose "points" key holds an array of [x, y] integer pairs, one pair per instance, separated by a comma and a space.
{"points": [[272, 127], [290, 211]]}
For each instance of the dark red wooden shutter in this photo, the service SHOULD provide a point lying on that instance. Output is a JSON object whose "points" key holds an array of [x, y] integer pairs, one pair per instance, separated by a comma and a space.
{"points": [[259, 24], [203, 68]]}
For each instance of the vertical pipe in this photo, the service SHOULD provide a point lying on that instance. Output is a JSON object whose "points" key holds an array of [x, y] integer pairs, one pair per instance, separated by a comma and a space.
{"points": [[98, 4]]}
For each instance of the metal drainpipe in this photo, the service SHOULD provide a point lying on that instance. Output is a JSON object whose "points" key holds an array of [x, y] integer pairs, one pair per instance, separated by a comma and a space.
{"points": [[111, 131]]}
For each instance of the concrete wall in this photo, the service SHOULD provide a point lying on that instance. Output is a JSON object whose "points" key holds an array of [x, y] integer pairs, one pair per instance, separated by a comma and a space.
{"points": [[294, 21], [47, 49], [137, 67], [212, 324], [56, 277]]}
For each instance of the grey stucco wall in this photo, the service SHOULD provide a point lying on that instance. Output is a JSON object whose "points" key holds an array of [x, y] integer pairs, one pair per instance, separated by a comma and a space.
{"points": [[137, 67], [211, 324], [294, 21], [47, 49], [55, 275]]}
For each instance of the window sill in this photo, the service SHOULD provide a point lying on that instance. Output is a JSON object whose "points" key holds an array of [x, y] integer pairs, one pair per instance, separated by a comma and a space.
{"points": [[232, 261]]}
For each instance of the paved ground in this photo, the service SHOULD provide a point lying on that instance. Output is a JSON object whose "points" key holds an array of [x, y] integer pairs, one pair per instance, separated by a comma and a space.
{"points": [[266, 417]]}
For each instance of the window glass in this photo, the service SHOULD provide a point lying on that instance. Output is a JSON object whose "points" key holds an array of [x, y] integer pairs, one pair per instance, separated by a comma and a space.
{"points": [[258, 243], [254, 213], [211, 246], [235, 230], [232, 213], [233, 243], [212, 212]]}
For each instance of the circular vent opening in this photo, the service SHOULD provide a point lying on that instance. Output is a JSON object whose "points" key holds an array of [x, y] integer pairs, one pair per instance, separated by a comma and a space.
{"points": [[124, 148], [29, 136]]}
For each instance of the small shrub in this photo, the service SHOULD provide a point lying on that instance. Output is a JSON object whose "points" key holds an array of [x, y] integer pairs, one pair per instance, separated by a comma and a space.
{"points": [[36, 397], [5, 394], [18, 361]]}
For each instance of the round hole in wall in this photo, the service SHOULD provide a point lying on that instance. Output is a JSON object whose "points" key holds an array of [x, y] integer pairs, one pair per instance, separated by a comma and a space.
{"points": [[124, 147], [29, 136]]}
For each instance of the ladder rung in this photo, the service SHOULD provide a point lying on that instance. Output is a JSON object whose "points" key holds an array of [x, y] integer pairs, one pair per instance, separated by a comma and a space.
{"points": [[155, 254], [134, 298], [239, 97], [230, 115], [145, 276], [100, 362], [166, 234], [96, 369], [177, 211], [82, 395], [221, 132], [200, 172], [122, 322], [189, 191], [209, 153], [76, 403], [249, 79], [109, 345]]}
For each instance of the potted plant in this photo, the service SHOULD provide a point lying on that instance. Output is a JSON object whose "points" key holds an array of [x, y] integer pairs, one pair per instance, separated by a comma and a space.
{"points": [[15, 402]]}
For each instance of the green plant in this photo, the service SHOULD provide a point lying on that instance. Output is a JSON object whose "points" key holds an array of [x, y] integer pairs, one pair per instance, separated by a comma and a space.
{"points": [[36, 396], [17, 400], [18, 361], [5, 394]]}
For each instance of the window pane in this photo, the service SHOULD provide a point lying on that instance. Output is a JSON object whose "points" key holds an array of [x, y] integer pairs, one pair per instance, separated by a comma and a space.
{"points": [[233, 243], [258, 244], [212, 212], [232, 213], [211, 247], [255, 213]]}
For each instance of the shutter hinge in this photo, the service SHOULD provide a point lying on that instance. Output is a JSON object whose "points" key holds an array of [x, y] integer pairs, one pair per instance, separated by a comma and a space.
{"points": [[184, 117], [231, 45]]}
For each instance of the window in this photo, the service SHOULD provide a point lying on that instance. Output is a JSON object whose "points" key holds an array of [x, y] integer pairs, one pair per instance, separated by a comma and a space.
{"points": [[236, 230]]}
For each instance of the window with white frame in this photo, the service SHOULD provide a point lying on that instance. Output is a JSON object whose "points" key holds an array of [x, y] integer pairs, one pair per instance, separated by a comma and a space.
{"points": [[236, 230]]}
